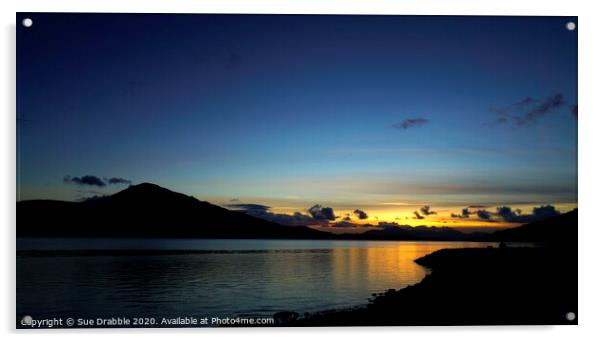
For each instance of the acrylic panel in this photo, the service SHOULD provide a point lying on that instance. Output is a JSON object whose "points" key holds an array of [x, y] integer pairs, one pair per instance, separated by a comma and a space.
{"points": [[207, 170]]}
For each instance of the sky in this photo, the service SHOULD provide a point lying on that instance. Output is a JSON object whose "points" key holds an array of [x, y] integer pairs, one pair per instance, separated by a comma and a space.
{"points": [[305, 119]]}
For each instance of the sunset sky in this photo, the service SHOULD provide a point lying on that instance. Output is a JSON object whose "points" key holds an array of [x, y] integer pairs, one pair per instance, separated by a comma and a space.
{"points": [[380, 114]]}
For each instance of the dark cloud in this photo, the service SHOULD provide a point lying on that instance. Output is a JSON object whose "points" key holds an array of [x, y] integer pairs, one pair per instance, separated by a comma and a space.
{"points": [[344, 224], [515, 107], [426, 210], [483, 214], [417, 216], [544, 212], [385, 224], [90, 180], [322, 213], [117, 180], [537, 214], [360, 214], [248, 207], [85, 180], [262, 211], [419, 232], [525, 102], [507, 214], [465, 214], [409, 123], [551, 103], [296, 219], [527, 110]]}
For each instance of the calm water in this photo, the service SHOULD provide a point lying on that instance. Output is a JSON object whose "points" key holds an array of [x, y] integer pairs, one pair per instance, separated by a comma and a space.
{"points": [[222, 278]]}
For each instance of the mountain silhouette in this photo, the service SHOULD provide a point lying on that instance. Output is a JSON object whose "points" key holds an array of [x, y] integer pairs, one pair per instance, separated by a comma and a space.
{"points": [[147, 210]]}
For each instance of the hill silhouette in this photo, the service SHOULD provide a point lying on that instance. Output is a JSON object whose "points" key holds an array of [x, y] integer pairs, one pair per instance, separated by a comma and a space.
{"points": [[147, 210], [561, 229]]}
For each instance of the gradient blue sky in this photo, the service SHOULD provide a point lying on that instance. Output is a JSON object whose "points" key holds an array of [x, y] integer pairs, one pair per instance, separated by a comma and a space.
{"points": [[294, 110]]}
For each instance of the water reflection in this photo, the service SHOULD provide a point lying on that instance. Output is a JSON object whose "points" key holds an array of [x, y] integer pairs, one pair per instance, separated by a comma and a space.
{"points": [[253, 278]]}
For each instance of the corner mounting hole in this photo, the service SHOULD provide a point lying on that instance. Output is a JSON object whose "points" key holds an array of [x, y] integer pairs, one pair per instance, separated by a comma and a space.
{"points": [[571, 26], [27, 22], [571, 316]]}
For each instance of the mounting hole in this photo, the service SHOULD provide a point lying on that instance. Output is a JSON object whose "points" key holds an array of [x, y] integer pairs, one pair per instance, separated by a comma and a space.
{"points": [[27, 22], [571, 26], [570, 316], [26, 320]]}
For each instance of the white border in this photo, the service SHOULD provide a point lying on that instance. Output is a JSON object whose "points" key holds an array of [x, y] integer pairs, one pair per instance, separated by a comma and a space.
{"points": [[590, 54]]}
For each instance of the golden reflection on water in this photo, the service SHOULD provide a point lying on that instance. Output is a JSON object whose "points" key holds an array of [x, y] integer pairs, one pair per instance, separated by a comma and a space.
{"points": [[372, 266]]}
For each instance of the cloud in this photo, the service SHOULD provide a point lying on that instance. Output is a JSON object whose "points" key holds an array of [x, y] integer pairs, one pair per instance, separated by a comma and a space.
{"points": [[417, 216], [343, 224], [483, 214], [551, 103], [525, 102], [465, 214], [262, 211], [248, 207], [385, 224], [409, 123], [117, 180], [88, 180], [527, 110], [507, 214], [426, 210], [360, 214], [296, 219], [537, 214], [322, 213], [318, 215], [544, 211]]}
